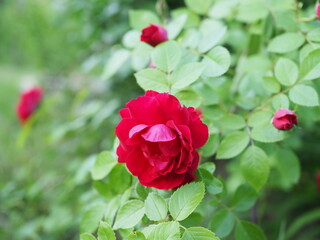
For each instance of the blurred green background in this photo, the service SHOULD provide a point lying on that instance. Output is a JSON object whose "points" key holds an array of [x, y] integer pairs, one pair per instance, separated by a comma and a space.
{"points": [[63, 45]]}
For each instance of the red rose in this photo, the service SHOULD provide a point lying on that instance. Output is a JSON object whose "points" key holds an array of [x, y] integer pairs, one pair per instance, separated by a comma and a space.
{"points": [[318, 11], [158, 137], [29, 101], [154, 34], [284, 119]]}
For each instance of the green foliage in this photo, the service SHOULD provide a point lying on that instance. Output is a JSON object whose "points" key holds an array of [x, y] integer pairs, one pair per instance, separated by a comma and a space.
{"points": [[232, 145], [248, 231], [103, 165], [129, 214], [185, 200], [198, 233], [155, 207], [222, 223], [304, 95], [166, 56], [105, 232], [286, 42], [92, 217], [255, 166]]}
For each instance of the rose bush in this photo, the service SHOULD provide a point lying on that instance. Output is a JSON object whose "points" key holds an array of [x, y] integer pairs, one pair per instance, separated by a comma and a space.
{"points": [[28, 103], [158, 140], [284, 119]]}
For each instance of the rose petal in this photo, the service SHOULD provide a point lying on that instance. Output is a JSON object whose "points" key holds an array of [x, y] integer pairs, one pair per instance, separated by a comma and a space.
{"points": [[137, 129], [146, 109], [167, 182], [125, 113], [159, 133]]}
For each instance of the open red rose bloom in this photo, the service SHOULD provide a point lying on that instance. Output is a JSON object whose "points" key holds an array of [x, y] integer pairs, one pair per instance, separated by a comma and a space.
{"points": [[29, 101], [158, 140]]}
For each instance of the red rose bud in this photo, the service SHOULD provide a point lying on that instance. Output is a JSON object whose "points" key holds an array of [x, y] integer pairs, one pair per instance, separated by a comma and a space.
{"points": [[158, 140], [284, 119], [318, 181], [29, 101], [154, 34], [318, 11]]}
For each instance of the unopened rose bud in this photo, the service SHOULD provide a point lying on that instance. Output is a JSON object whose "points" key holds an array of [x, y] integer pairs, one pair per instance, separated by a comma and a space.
{"points": [[154, 34], [318, 11], [284, 119], [28, 103]]}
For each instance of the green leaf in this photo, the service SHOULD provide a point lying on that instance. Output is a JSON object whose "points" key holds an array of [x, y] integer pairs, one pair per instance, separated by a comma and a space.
{"points": [[251, 11], [111, 210], [304, 95], [310, 66], [214, 186], [192, 18], [119, 172], [271, 84], [280, 101], [92, 217], [255, 167], [198, 233], [140, 56], [129, 214], [152, 79], [211, 146], [286, 42], [140, 19], [115, 62], [105, 232], [209, 166], [248, 231], [287, 163], [87, 236], [314, 35], [155, 207], [232, 145], [131, 39], [186, 75], [199, 6], [142, 191], [232, 121], [218, 62], [176, 25], [166, 56], [103, 165], [136, 236], [209, 40], [267, 133], [259, 118], [222, 223], [165, 231], [286, 71], [244, 198], [189, 98], [185, 200]]}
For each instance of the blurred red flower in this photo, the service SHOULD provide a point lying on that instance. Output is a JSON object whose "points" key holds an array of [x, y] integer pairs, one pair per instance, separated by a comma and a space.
{"points": [[28, 103]]}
